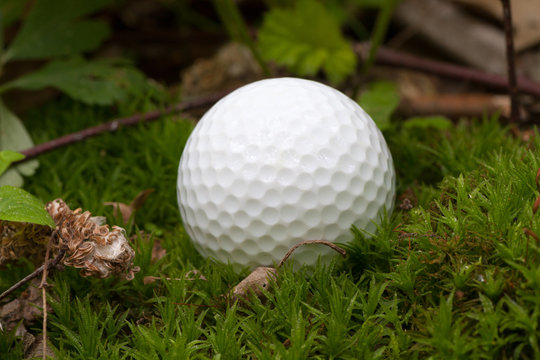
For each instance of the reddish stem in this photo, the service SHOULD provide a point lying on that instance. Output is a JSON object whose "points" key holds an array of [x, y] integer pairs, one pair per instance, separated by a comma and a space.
{"points": [[386, 56], [115, 124], [511, 61]]}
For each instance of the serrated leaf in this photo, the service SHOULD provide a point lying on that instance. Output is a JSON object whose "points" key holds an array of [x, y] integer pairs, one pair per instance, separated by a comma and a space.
{"points": [[21, 206], [93, 82], [306, 38], [53, 29], [7, 157], [380, 101], [14, 137], [438, 122]]}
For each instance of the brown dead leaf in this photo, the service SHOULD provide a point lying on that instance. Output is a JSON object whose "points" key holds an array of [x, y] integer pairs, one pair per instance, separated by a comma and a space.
{"points": [[260, 279], [158, 251], [232, 67], [127, 211]]}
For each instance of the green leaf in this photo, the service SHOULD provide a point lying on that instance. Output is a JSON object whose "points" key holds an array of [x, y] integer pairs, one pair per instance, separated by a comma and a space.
{"points": [[380, 101], [7, 157], [53, 29], [438, 122], [379, 31], [93, 82], [306, 38], [21, 206], [14, 137]]}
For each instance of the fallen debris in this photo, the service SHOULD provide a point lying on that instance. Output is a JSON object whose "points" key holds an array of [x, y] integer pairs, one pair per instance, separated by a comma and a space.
{"points": [[472, 41]]}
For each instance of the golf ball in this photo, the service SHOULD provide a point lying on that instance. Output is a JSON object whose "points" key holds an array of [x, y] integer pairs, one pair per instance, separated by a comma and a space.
{"points": [[280, 161]]}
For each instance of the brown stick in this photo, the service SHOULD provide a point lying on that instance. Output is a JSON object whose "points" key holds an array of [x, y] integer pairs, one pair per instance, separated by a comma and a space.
{"points": [[511, 61], [455, 105], [117, 123], [43, 285], [34, 274], [323, 242], [386, 56]]}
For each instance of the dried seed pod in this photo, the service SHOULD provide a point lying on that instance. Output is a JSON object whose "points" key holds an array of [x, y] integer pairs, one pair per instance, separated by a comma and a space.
{"points": [[92, 247]]}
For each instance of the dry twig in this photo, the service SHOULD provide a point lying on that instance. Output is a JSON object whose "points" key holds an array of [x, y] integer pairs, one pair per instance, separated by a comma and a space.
{"points": [[34, 274], [511, 61]]}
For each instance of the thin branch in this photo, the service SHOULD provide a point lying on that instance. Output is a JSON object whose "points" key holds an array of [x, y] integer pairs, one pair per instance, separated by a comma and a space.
{"points": [[511, 61], [305, 242], [43, 285], [115, 124], [34, 274], [390, 57]]}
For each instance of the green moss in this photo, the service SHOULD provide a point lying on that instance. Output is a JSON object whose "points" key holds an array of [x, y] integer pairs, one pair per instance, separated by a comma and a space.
{"points": [[454, 277]]}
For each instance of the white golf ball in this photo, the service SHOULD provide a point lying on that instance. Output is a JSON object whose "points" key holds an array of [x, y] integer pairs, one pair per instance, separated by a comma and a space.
{"points": [[277, 162]]}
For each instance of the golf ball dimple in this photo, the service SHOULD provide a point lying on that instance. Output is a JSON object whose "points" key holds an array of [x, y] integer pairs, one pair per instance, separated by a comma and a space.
{"points": [[277, 162]]}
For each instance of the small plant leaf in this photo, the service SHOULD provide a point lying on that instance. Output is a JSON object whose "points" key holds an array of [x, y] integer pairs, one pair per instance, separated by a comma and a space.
{"points": [[306, 38], [13, 136], [21, 206], [93, 82], [380, 101], [7, 157], [52, 29], [437, 122]]}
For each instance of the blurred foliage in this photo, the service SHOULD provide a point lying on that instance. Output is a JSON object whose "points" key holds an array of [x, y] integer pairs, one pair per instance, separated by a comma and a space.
{"points": [[7, 157], [57, 31], [306, 38], [379, 101]]}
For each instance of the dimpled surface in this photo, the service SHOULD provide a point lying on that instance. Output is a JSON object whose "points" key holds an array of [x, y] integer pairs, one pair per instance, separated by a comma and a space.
{"points": [[279, 161]]}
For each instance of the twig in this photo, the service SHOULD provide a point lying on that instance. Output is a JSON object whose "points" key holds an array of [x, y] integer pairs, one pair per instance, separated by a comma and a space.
{"points": [[511, 61], [323, 242], [43, 285], [115, 124], [34, 274], [386, 56]]}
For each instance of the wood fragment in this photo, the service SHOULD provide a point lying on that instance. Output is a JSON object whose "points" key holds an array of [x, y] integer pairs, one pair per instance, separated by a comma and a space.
{"points": [[511, 63], [458, 33], [390, 57], [256, 283], [455, 105], [525, 14]]}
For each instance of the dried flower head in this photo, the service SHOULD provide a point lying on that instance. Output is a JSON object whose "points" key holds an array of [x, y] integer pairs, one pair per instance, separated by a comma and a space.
{"points": [[94, 248]]}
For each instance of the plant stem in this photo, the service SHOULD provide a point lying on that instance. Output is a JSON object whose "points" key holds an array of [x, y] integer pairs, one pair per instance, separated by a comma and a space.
{"points": [[34, 274], [43, 285], [379, 32], [305, 242], [511, 61], [115, 124]]}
